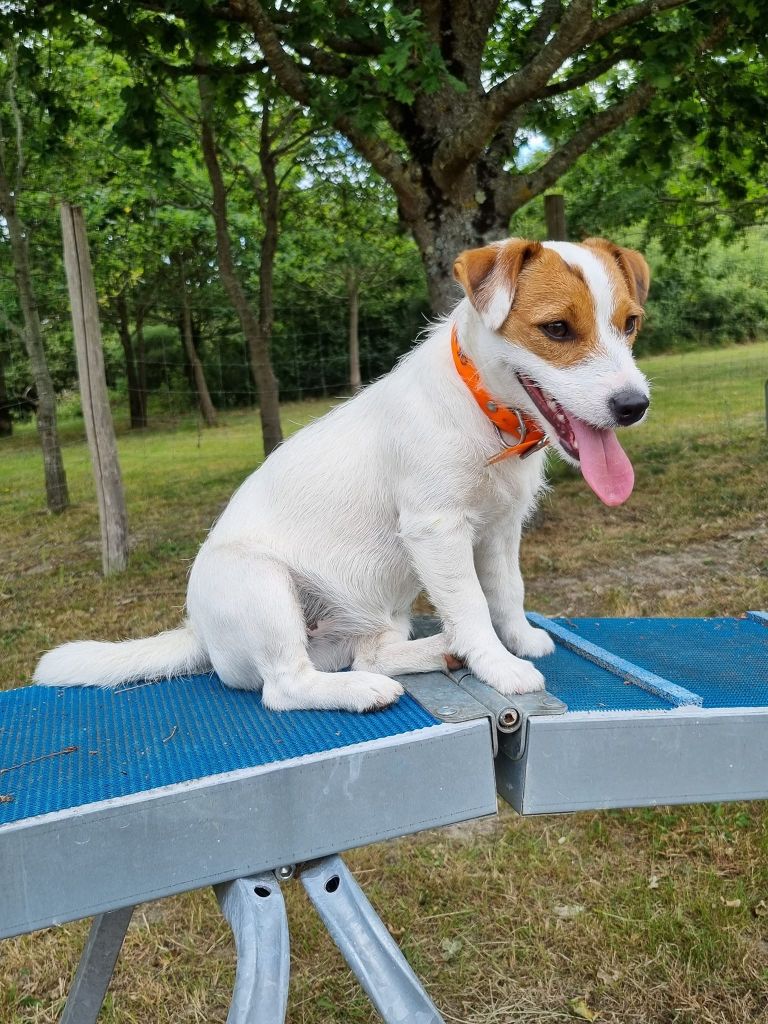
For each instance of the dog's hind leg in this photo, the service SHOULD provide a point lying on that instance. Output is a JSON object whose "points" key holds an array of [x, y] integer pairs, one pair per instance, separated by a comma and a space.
{"points": [[388, 652], [246, 607]]}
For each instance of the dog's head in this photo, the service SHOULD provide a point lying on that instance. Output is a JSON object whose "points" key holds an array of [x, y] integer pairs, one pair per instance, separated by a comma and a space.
{"points": [[564, 318]]}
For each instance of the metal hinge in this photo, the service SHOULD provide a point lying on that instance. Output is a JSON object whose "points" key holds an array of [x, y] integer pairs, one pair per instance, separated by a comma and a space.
{"points": [[461, 697], [439, 693], [511, 713]]}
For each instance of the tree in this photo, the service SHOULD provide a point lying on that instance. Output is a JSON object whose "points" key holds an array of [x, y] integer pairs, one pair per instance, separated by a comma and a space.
{"points": [[137, 397], [13, 165], [207, 409], [351, 244], [442, 97], [257, 329], [242, 169]]}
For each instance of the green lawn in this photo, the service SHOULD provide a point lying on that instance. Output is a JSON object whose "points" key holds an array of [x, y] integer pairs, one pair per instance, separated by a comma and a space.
{"points": [[651, 917], [711, 391]]}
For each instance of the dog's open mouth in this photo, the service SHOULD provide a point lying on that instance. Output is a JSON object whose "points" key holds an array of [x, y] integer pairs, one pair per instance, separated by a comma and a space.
{"points": [[604, 463]]}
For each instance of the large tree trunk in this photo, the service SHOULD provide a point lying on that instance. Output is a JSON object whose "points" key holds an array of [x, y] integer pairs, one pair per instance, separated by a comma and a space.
{"points": [[187, 336], [353, 331], [258, 344], [135, 398], [448, 222], [57, 495]]}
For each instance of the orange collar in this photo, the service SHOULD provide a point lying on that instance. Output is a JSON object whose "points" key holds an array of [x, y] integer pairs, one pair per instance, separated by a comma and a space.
{"points": [[518, 424]]}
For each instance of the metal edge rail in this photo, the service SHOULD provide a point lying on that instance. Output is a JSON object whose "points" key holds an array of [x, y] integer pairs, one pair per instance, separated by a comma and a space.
{"points": [[677, 696]]}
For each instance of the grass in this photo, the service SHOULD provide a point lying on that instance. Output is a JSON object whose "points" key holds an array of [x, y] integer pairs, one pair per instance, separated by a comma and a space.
{"points": [[656, 915]]}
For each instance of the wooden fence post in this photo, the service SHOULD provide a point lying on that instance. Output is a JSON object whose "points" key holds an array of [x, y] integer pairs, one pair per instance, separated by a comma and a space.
{"points": [[97, 414], [554, 213]]}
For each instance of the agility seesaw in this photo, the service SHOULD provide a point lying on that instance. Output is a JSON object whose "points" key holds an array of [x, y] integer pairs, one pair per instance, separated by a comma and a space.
{"points": [[112, 798]]}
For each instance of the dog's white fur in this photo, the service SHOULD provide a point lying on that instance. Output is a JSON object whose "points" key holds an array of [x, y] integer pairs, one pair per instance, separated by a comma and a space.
{"points": [[316, 560]]}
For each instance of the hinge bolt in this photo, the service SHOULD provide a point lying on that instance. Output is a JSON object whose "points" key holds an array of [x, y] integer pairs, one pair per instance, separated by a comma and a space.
{"points": [[508, 718]]}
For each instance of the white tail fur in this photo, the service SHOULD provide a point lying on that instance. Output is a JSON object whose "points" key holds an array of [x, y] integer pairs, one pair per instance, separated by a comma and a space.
{"points": [[93, 663]]}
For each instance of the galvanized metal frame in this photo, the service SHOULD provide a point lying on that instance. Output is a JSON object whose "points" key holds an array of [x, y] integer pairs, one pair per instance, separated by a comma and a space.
{"points": [[595, 760], [97, 964], [93, 859], [255, 910], [366, 945]]}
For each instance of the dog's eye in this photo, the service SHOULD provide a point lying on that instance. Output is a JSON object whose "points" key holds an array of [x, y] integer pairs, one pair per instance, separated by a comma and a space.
{"points": [[631, 325], [557, 329]]}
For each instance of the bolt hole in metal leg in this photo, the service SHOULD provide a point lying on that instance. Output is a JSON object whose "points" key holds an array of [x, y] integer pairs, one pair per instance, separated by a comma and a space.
{"points": [[256, 913], [366, 945]]}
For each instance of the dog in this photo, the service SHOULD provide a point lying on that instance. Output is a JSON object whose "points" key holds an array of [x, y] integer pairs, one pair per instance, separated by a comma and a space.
{"points": [[423, 481]]}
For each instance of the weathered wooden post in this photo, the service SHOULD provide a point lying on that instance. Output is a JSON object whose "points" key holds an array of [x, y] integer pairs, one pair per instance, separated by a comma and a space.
{"points": [[97, 414], [554, 213]]}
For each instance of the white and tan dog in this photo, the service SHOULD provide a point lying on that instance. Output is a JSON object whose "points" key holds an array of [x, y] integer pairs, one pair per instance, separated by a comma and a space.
{"points": [[315, 562]]}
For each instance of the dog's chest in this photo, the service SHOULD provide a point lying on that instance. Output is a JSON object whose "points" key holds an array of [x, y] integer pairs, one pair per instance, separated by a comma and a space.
{"points": [[508, 488]]}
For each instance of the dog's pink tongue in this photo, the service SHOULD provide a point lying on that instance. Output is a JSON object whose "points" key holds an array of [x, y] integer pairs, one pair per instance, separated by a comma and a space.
{"points": [[604, 463]]}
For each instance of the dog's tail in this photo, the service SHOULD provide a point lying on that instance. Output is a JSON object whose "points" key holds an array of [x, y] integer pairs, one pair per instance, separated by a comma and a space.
{"points": [[93, 663]]}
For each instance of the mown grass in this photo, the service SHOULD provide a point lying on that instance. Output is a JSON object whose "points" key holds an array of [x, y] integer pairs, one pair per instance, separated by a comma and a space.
{"points": [[647, 916]]}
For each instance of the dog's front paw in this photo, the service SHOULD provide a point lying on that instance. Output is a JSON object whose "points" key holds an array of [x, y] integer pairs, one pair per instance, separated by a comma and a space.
{"points": [[528, 642], [506, 673]]}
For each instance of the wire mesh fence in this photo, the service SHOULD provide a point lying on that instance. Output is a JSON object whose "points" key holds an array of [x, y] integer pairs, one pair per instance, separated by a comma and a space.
{"points": [[704, 387]]}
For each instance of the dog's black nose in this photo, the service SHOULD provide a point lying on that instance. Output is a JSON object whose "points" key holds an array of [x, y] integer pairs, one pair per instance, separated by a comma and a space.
{"points": [[628, 406]]}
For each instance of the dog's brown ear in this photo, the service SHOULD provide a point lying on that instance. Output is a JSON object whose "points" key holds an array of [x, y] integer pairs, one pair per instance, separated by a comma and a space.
{"points": [[489, 276], [631, 263]]}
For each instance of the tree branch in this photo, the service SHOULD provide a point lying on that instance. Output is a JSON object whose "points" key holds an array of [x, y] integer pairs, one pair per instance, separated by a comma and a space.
{"points": [[247, 67], [324, 63], [525, 83], [522, 188], [294, 79], [459, 149], [631, 15], [550, 12], [588, 74], [291, 76], [357, 47], [576, 29]]}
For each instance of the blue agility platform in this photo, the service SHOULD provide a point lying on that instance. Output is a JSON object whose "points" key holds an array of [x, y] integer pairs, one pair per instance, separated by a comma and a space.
{"points": [[111, 798]]}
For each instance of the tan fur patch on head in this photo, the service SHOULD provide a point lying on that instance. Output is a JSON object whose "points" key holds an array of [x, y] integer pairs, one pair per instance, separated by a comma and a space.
{"points": [[549, 290], [631, 263], [489, 276], [631, 279]]}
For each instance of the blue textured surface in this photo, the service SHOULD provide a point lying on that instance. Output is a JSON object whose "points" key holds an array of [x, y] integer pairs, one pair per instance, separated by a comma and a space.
{"points": [[142, 737], [587, 687], [724, 660], [674, 695]]}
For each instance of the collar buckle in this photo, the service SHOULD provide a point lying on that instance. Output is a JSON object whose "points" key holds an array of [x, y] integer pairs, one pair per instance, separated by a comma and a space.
{"points": [[505, 420], [541, 443]]}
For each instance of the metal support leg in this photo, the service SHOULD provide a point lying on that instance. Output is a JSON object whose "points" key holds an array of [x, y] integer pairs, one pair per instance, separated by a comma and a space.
{"points": [[366, 945], [96, 966], [256, 913]]}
